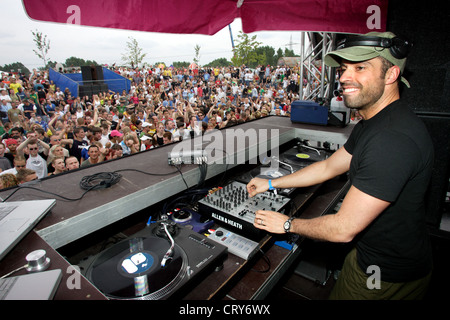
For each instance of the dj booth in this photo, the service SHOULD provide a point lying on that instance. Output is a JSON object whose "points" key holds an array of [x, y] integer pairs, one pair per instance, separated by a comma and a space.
{"points": [[195, 251]]}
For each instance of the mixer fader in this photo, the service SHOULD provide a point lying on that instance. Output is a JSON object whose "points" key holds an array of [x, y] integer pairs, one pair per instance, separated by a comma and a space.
{"points": [[232, 206]]}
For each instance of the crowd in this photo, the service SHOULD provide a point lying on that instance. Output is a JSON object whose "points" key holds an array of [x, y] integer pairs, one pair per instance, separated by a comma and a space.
{"points": [[46, 131]]}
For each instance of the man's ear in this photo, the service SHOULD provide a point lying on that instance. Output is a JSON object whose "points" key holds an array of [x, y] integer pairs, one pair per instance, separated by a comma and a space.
{"points": [[392, 75]]}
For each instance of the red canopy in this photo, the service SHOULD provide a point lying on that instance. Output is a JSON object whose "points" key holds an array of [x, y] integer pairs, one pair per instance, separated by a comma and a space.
{"points": [[211, 16]]}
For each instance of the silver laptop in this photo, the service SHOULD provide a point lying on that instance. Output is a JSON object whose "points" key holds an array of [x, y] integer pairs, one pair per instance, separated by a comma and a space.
{"points": [[33, 286], [18, 218]]}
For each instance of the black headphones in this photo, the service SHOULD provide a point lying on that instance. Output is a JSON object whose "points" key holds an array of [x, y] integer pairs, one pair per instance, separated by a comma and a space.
{"points": [[398, 47]]}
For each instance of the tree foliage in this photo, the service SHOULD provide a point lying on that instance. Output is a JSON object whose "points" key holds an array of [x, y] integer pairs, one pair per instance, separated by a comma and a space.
{"points": [[16, 67], [197, 54], [134, 54], [42, 45], [78, 62], [220, 62], [245, 51], [181, 64]]}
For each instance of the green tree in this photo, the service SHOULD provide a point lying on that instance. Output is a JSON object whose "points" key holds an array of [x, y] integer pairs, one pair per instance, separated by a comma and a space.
{"points": [[268, 53], [134, 54], [42, 45], [220, 62], [16, 67], [245, 51], [289, 53], [197, 54], [181, 64], [77, 62]]}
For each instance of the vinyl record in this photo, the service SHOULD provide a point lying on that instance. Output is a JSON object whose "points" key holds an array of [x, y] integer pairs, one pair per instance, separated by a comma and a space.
{"points": [[132, 269], [295, 156]]}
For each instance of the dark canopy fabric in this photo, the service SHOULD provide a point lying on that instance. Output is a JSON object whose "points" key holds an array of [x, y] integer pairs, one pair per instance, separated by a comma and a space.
{"points": [[210, 16]]}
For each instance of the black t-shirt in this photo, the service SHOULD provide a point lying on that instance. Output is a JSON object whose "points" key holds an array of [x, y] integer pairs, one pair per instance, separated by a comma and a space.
{"points": [[392, 159], [76, 148]]}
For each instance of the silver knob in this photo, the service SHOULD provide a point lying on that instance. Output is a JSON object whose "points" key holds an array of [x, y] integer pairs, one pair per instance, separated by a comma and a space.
{"points": [[37, 261]]}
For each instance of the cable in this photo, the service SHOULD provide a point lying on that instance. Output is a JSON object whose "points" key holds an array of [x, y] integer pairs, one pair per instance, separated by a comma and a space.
{"points": [[182, 177], [14, 271], [110, 178], [101, 180], [47, 192], [203, 167], [266, 259]]}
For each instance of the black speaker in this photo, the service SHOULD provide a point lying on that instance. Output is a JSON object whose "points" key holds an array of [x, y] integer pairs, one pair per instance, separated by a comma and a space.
{"points": [[438, 126], [95, 88], [86, 73], [98, 73], [85, 90], [103, 87], [398, 47]]}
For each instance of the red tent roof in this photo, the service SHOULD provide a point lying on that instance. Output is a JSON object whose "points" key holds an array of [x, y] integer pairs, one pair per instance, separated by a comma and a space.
{"points": [[211, 16]]}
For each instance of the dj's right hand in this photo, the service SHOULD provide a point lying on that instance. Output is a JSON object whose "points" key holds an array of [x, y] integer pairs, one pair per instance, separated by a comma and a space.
{"points": [[257, 185]]}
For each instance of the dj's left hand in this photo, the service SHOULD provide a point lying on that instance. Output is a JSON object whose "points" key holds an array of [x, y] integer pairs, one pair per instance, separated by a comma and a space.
{"points": [[270, 221]]}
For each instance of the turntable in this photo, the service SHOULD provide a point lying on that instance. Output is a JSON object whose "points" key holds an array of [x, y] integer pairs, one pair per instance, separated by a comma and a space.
{"points": [[303, 155], [288, 162], [266, 172], [156, 263]]}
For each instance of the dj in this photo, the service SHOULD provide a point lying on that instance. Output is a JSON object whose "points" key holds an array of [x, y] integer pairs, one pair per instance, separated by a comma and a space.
{"points": [[389, 156]]}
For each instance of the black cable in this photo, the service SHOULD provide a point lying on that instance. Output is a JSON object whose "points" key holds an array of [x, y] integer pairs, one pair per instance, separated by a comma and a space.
{"points": [[147, 173], [100, 180], [177, 201], [48, 192], [267, 260], [203, 167], [103, 179], [182, 177]]}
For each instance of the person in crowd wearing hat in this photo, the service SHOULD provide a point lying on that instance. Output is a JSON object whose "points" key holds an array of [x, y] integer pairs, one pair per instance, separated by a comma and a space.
{"points": [[115, 137], [146, 144], [146, 127], [11, 145], [389, 157]]}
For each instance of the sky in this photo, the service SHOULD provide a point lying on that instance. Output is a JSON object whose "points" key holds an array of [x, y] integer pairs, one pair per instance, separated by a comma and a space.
{"points": [[106, 46]]}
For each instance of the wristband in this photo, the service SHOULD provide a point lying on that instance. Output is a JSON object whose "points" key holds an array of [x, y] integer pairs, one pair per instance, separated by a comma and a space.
{"points": [[270, 185]]}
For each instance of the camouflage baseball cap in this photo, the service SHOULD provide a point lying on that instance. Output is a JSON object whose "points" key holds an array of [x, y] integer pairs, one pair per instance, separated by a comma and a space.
{"points": [[362, 53]]}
